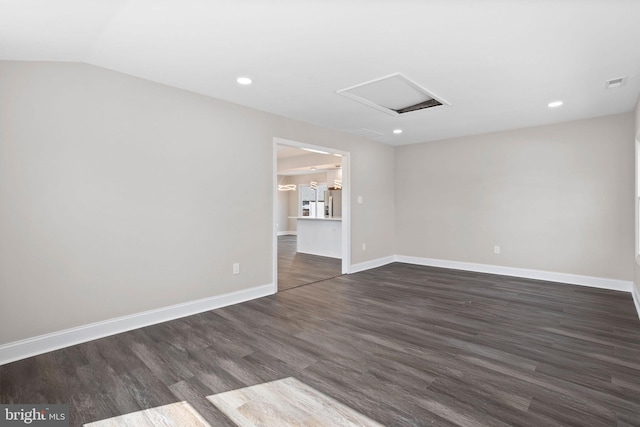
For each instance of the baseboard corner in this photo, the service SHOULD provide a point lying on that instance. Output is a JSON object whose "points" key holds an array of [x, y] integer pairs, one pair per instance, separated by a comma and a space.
{"points": [[567, 278], [374, 263]]}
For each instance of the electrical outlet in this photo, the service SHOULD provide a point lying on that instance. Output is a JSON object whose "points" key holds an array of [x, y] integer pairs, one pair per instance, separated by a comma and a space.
{"points": [[364, 246], [236, 268], [496, 249]]}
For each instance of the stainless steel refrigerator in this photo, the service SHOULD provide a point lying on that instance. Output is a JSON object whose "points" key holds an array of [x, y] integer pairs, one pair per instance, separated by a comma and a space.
{"points": [[333, 204]]}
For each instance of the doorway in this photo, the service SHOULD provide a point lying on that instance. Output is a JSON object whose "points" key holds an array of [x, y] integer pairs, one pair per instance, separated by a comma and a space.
{"points": [[297, 269], [311, 229]]}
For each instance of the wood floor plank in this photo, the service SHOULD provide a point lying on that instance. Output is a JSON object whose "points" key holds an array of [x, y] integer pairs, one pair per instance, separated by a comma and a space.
{"points": [[403, 345]]}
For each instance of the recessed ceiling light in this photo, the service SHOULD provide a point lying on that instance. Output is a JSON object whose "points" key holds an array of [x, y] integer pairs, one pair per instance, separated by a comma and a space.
{"points": [[244, 80], [397, 131], [555, 104]]}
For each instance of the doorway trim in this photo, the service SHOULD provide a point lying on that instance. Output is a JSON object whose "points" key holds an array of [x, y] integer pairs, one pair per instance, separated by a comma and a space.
{"points": [[346, 202]]}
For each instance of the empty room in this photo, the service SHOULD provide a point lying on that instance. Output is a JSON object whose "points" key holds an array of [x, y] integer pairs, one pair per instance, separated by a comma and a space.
{"points": [[305, 212]]}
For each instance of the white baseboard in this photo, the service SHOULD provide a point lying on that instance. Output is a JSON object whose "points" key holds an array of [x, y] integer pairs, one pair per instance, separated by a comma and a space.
{"points": [[287, 233], [374, 263], [44, 343], [635, 293], [573, 279]]}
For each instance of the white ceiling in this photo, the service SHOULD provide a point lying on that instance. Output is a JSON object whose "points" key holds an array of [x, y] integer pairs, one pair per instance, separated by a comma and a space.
{"points": [[296, 161], [497, 62], [284, 152]]}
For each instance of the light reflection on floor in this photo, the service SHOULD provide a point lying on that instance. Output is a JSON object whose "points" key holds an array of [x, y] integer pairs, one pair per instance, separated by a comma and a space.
{"points": [[281, 403], [286, 402], [179, 414]]}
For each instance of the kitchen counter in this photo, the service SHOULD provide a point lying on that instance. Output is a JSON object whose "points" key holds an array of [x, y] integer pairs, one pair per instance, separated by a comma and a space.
{"points": [[320, 236], [316, 219]]}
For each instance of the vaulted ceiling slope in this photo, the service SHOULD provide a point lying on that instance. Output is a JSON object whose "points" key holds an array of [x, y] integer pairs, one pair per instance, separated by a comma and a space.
{"points": [[497, 63]]}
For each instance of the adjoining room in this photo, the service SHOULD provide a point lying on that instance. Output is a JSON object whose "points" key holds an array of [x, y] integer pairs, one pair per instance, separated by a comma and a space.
{"points": [[309, 216]]}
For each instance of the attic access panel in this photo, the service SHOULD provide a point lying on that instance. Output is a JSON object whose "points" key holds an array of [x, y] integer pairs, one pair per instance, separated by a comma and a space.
{"points": [[395, 95]]}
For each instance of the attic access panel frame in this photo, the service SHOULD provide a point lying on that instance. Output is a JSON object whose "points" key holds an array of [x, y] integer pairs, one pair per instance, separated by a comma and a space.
{"points": [[418, 98]]}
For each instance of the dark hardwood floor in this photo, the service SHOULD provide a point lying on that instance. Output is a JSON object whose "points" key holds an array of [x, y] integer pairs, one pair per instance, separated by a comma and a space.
{"points": [[297, 269], [404, 345]]}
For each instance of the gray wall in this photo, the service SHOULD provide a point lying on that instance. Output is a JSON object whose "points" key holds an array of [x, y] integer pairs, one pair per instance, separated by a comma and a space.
{"points": [[555, 198], [120, 195]]}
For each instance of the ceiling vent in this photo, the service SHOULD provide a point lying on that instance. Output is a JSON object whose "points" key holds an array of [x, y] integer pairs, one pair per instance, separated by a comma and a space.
{"points": [[395, 95], [614, 83]]}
